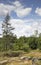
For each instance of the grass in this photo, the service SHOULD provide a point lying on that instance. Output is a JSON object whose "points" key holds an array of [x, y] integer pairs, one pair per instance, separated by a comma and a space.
{"points": [[33, 53], [38, 63], [23, 63], [20, 63]]}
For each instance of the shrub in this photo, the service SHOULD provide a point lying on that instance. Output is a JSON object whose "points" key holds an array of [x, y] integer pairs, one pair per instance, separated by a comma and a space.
{"points": [[12, 54], [33, 43]]}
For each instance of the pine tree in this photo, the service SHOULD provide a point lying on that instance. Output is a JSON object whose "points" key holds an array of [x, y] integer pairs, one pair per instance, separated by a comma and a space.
{"points": [[7, 34]]}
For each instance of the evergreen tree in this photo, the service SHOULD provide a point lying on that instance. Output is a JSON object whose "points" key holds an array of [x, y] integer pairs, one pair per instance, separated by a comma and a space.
{"points": [[7, 34]]}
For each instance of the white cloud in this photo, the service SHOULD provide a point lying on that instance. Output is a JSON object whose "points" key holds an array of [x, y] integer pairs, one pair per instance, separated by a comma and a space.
{"points": [[25, 27], [17, 4], [16, 7], [20, 10], [20, 27], [38, 11], [5, 8], [23, 12]]}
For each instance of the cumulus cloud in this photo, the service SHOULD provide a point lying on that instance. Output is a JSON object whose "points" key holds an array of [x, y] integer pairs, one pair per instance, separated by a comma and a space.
{"points": [[20, 10], [23, 12], [4, 9], [17, 7], [20, 27], [38, 11], [25, 27]]}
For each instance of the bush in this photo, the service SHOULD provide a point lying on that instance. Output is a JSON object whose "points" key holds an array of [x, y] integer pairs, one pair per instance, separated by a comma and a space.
{"points": [[12, 54], [33, 43], [39, 46], [25, 48], [39, 43], [33, 46]]}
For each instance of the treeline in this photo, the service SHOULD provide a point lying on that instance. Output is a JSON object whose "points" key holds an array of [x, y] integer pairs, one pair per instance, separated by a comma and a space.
{"points": [[9, 41], [23, 43]]}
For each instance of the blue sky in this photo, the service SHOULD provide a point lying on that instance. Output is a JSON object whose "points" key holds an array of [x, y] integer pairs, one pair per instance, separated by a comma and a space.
{"points": [[25, 15]]}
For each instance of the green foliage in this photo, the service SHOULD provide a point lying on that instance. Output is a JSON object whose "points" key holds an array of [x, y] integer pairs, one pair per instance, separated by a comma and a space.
{"points": [[19, 44], [33, 43], [39, 43], [26, 48]]}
